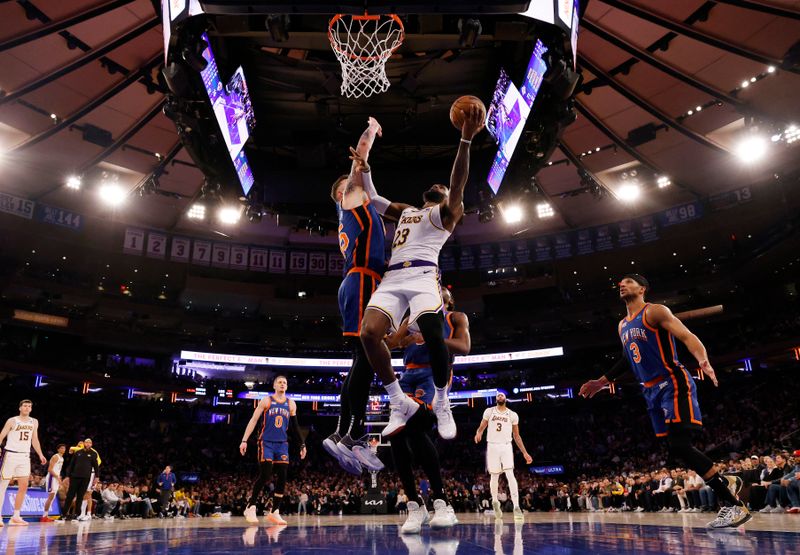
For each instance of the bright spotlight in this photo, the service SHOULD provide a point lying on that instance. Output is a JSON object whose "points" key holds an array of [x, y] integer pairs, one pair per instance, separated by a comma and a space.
{"points": [[513, 214], [771, 69], [629, 193], [111, 194], [197, 212], [229, 215], [544, 210], [751, 149], [745, 84], [663, 181], [73, 182]]}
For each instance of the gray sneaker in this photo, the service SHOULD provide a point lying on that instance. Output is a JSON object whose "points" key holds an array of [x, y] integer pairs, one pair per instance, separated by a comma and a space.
{"points": [[730, 517]]}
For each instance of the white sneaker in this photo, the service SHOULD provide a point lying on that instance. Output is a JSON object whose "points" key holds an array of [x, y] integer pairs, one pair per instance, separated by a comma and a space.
{"points": [[442, 518], [767, 509], [401, 412], [16, 521], [777, 509], [453, 513], [638, 510], [444, 419], [417, 515], [250, 514], [685, 510], [519, 516], [83, 518], [498, 512]]}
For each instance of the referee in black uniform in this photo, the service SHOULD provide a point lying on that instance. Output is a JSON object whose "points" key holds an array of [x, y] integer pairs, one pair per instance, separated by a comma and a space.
{"points": [[81, 466]]}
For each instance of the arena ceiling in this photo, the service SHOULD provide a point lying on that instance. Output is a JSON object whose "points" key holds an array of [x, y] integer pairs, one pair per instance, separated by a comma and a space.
{"points": [[81, 96]]}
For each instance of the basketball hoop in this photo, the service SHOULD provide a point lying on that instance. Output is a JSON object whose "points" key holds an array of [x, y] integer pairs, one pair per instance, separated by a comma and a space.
{"points": [[363, 44]]}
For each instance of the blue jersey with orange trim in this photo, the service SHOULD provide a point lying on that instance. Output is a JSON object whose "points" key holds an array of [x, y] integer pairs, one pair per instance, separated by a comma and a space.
{"points": [[651, 351], [416, 355], [275, 421], [362, 238]]}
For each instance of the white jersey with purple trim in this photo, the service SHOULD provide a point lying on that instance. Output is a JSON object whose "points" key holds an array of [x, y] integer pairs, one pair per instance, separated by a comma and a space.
{"points": [[420, 235], [20, 438], [500, 426]]}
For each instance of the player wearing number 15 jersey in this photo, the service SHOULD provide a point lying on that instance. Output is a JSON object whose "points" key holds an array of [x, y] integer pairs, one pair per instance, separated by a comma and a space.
{"points": [[20, 434], [648, 336], [503, 424], [278, 415]]}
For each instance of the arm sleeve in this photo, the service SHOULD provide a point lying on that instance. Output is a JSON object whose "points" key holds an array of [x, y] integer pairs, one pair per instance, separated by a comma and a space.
{"points": [[294, 429], [381, 203], [619, 368]]}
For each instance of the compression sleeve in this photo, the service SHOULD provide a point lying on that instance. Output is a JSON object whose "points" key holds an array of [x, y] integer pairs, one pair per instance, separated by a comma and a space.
{"points": [[294, 429], [381, 203], [617, 370]]}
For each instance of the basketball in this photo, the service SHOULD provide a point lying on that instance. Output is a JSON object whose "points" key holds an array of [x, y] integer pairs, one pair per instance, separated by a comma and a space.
{"points": [[463, 104]]}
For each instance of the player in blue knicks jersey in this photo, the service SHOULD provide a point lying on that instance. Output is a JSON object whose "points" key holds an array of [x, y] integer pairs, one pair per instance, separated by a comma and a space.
{"points": [[648, 336], [278, 416], [362, 240]]}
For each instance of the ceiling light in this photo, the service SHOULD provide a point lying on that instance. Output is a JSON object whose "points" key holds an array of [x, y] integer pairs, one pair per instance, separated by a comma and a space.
{"points": [[513, 214], [751, 149], [752, 79], [745, 84], [111, 194], [73, 182], [629, 193], [690, 112], [544, 210], [775, 138], [771, 69], [663, 181], [197, 212], [229, 215], [698, 108]]}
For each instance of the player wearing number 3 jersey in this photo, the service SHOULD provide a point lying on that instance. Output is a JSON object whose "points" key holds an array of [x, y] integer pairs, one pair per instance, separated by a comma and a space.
{"points": [[20, 434], [648, 336], [502, 424], [278, 415]]}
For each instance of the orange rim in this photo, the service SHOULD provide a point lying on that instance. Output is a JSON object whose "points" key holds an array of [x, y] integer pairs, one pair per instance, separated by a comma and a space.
{"points": [[366, 17]]}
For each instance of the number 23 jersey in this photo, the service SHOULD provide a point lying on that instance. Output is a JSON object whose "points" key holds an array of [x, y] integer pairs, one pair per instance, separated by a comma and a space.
{"points": [[500, 424]]}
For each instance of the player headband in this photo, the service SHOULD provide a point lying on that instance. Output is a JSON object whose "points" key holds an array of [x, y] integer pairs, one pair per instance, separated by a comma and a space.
{"points": [[638, 278]]}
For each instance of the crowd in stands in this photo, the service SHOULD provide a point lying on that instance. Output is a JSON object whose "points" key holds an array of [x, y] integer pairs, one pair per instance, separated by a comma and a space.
{"points": [[611, 460]]}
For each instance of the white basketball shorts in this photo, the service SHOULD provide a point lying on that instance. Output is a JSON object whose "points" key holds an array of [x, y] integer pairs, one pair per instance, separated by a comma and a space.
{"points": [[499, 457], [15, 465], [415, 289]]}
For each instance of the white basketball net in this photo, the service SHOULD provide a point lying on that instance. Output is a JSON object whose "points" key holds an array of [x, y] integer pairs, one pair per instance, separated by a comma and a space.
{"points": [[363, 45]]}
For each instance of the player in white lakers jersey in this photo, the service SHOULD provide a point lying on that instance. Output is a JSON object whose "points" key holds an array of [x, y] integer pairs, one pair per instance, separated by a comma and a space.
{"points": [[53, 480], [19, 433], [503, 424], [411, 283]]}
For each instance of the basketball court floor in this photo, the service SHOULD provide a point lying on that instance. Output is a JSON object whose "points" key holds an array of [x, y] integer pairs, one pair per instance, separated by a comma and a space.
{"points": [[545, 533]]}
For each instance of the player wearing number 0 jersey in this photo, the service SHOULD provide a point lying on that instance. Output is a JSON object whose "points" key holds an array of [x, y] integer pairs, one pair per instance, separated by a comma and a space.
{"points": [[502, 424], [20, 434], [411, 282], [362, 239], [648, 336], [278, 416]]}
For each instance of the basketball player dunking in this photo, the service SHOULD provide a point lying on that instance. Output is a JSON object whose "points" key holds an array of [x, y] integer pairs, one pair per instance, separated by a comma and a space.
{"points": [[278, 416], [648, 339], [20, 434], [413, 442], [503, 424], [362, 240], [53, 480], [411, 283]]}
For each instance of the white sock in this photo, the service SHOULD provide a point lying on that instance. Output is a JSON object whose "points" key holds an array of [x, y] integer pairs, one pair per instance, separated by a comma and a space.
{"points": [[395, 392], [16, 513], [513, 488], [440, 395], [494, 486], [83, 507], [46, 512], [3, 487]]}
